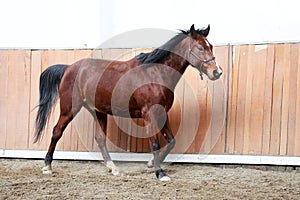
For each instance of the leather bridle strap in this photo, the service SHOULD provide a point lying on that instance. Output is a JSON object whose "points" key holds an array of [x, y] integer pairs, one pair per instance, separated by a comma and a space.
{"points": [[200, 59]]}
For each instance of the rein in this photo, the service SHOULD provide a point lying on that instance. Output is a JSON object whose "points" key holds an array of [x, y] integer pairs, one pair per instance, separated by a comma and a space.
{"points": [[200, 59]]}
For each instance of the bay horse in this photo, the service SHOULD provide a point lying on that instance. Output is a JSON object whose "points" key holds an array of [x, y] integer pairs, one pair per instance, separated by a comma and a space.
{"points": [[91, 83]]}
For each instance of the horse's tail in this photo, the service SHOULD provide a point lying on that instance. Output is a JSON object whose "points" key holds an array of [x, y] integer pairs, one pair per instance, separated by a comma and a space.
{"points": [[49, 84]]}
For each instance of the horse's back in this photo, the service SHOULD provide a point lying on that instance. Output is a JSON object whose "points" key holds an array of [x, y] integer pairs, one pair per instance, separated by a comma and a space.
{"points": [[93, 80]]}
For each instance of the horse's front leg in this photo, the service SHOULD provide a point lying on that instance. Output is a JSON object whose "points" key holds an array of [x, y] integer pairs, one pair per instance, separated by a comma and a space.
{"points": [[167, 133], [151, 122], [160, 174]]}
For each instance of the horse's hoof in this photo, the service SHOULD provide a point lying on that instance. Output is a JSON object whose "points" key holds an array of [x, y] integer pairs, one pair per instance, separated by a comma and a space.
{"points": [[161, 175], [150, 163], [47, 170]]}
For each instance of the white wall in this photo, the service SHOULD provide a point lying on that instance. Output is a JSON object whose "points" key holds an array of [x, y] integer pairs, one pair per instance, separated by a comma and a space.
{"points": [[88, 23], [49, 23]]}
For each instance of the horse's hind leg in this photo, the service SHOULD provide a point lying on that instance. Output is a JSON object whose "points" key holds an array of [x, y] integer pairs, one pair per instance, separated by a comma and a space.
{"points": [[100, 137], [58, 129], [67, 113]]}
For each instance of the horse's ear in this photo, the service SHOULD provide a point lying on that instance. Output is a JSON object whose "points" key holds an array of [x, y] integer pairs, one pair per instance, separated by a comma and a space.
{"points": [[193, 31], [205, 31]]}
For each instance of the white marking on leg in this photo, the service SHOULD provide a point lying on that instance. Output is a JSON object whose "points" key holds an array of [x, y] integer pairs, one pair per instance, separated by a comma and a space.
{"points": [[47, 169], [165, 178], [112, 168], [150, 162]]}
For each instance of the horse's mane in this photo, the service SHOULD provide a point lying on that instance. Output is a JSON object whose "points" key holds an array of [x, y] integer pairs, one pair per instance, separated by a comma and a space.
{"points": [[161, 52]]}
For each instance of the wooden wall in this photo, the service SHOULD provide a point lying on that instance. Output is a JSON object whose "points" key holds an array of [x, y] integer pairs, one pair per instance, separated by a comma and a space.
{"points": [[253, 110]]}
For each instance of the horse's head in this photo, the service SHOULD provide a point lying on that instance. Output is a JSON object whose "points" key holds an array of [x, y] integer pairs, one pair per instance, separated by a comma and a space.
{"points": [[200, 53]]}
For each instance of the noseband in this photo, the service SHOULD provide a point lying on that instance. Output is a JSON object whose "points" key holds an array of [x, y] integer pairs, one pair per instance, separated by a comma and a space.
{"points": [[200, 59]]}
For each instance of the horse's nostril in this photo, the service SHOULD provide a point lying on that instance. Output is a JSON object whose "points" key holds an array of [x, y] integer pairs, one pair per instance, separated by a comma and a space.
{"points": [[217, 74]]}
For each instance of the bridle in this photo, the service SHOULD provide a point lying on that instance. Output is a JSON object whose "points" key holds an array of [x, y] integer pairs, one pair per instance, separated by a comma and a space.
{"points": [[200, 59]]}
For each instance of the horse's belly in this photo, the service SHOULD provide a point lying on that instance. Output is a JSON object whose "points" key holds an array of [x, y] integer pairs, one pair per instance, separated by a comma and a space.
{"points": [[117, 108]]}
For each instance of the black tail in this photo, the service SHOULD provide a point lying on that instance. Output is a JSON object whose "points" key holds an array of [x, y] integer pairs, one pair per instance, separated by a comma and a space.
{"points": [[49, 84]]}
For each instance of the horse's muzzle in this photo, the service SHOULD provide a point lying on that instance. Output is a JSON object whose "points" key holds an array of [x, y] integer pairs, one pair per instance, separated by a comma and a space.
{"points": [[217, 73]]}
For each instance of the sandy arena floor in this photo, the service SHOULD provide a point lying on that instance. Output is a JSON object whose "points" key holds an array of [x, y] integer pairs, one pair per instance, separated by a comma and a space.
{"points": [[22, 179]]}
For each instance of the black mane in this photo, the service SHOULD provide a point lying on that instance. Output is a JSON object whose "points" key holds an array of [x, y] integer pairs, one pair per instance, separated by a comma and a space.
{"points": [[161, 52]]}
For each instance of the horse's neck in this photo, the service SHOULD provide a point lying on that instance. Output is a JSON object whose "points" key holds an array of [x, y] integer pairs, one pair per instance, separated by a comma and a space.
{"points": [[175, 67], [177, 59], [177, 62]]}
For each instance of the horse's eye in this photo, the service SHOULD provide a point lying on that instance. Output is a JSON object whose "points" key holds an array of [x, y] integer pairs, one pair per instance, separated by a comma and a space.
{"points": [[200, 48]]}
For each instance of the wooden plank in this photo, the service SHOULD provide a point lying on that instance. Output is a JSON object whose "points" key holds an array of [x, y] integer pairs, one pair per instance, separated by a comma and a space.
{"points": [[203, 121], [228, 85], [4, 71], [232, 101], [206, 146], [18, 99], [36, 57], [292, 106], [277, 100], [218, 117], [241, 100], [190, 110], [297, 132], [258, 66], [248, 98], [24, 144], [285, 100], [269, 71], [220, 102]]}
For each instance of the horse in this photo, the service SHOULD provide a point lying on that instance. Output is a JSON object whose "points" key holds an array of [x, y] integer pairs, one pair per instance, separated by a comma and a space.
{"points": [[101, 87]]}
